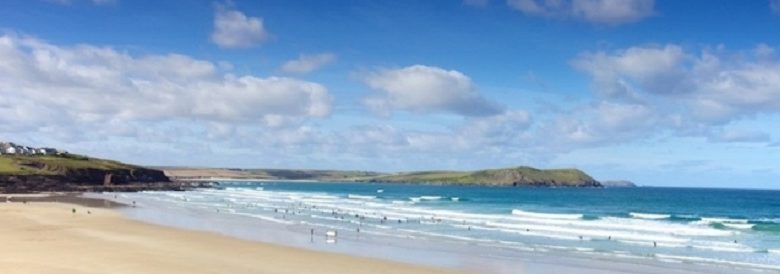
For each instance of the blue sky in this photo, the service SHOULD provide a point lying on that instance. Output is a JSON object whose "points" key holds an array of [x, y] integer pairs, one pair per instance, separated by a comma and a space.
{"points": [[666, 93]]}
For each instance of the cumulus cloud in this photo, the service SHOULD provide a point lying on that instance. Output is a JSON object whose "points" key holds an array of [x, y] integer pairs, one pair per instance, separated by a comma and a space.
{"points": [[424, 89], [501, 134], [105, 102], [624, 73], [505, 131], [647, 90], [46, 86], [233, 29], [609, 12], [715, 85], [599, 123], [308, 63]]}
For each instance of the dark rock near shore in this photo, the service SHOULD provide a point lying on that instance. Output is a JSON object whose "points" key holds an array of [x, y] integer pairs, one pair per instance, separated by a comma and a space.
{"points": [[94, 180], [57, 183]]}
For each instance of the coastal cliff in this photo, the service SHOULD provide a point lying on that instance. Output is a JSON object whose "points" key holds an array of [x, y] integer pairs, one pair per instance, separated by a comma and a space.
{"points": [[68, 172], [515, 176]]}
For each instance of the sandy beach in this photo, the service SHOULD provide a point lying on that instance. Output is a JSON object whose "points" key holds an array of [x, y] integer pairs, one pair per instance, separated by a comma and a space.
{"points": [[46, 237]]}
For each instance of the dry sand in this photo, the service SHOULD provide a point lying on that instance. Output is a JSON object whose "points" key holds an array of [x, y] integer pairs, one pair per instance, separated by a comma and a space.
{"points": [[45, 237]]}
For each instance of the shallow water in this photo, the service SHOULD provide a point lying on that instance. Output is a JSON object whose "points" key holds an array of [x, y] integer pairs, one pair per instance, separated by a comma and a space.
{"points": [[736, 228]]}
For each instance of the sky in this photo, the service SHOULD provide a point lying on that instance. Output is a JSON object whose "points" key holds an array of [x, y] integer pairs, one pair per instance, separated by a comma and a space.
{"points": [[662, 93]]}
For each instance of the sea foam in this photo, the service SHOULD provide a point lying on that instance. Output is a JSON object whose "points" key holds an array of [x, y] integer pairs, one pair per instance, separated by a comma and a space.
{"points": [[519, 212], [649, 216]]}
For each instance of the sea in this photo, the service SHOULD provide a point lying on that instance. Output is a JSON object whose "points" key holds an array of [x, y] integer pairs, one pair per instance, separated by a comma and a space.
{"points": [[730, 227]]}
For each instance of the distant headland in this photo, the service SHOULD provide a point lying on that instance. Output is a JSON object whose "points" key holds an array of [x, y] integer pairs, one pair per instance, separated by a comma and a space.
{"points": [[30, 169], [514, 176]]}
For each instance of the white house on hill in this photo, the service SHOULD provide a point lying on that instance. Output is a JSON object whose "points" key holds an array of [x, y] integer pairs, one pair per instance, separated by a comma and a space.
{"points": [[11, 148]]}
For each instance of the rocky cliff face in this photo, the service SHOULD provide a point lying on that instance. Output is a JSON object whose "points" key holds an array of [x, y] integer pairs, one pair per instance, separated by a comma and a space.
{"points": [[88, 180], [116, 177]]}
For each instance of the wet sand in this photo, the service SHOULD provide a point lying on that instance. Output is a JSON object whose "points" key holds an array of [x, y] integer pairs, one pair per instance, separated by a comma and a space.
{"points": [[47, 237], [61, 197]]}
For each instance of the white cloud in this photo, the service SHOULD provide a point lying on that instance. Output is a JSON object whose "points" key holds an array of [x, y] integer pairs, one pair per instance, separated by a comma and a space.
{"points": [[597, 124], [233, 29], [45, 86], [424, 89], [503, 131], [609, 12], [714, 84], [308, 63], [612, 11], [503, 134], [161, 108], [624, 73], [682, 92]]}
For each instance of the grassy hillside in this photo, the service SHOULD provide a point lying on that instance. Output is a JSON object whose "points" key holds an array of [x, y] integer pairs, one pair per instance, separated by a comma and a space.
{"points": [[55, 165], [69, 172], [516, 176]]}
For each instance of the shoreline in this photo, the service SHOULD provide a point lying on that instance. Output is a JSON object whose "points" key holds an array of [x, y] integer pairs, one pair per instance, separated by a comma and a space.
{"points": [[46, 237], [438, 253], [74, 198], [404, 255]]}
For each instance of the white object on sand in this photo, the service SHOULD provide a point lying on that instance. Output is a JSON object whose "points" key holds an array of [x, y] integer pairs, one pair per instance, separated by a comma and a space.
{"points": [[331, 233]]}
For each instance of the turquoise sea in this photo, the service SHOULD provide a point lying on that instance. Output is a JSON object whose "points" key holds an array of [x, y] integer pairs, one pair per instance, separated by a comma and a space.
{"points": [[683, 225]]}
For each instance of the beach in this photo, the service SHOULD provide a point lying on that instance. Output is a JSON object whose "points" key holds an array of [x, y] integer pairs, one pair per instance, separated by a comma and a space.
{"points": [[47, 237], [482, 229], [178, 232]]}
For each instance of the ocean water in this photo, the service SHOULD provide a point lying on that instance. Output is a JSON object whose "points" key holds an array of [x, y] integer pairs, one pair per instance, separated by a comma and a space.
{"points": [[678, 225]]}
